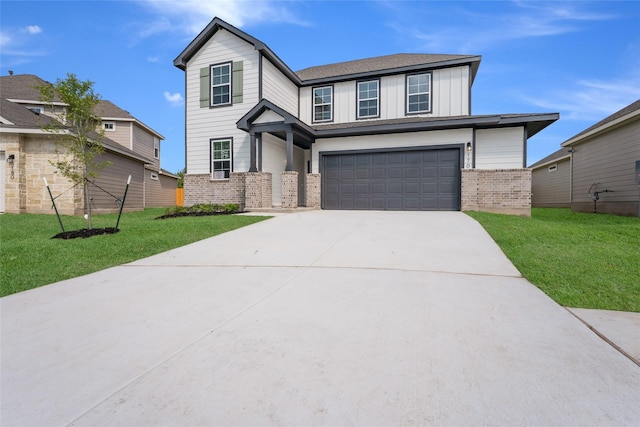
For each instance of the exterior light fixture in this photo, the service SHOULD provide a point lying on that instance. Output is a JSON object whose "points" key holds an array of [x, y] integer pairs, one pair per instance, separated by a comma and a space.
{"points": [[469, 148], [11, 158]]}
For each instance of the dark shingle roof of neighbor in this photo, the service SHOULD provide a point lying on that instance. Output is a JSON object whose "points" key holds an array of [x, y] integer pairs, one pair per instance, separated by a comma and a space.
{"points": [[379, 63], [620, 113], [21, 86], [109, 109], [23, 118], [557, 155], [20, 116]]}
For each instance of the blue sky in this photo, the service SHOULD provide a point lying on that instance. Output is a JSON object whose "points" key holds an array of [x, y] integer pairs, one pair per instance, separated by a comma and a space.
{"points": [[581, 59]]}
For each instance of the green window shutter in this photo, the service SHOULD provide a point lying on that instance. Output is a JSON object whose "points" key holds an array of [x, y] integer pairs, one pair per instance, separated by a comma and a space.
{"points": [[237, 83], [205, 87]]}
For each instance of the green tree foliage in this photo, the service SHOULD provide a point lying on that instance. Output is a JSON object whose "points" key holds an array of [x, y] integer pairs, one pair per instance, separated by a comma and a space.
{"points": [[78, 132]]}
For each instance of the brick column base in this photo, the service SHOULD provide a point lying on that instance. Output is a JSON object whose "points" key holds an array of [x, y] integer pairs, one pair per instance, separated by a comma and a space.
{"points": [[506, 191], [289, 189], [257, 190], [312, 183]]}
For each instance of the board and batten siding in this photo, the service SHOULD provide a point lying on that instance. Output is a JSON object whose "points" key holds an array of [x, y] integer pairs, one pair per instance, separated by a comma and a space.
{"points": [[449, 97], [277, 88], [203, 124], [500, 148], [608, 159], [551, 185], [367, 142]]}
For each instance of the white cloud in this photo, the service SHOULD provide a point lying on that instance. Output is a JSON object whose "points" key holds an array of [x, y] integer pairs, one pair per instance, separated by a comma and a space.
{"points": [[588, 99], [4, 39], [193, 16], [33, 29], [476, 31], [173, 98]]}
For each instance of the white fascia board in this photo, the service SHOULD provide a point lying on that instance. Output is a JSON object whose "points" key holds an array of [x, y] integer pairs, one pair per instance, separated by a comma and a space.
{"points": [[556, 160], [6, 121], [30, 131], [607, 126], [36, 102]]}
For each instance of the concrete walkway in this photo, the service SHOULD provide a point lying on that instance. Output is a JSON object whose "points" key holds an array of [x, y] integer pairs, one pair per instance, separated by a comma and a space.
{"points": [[317, 318]]}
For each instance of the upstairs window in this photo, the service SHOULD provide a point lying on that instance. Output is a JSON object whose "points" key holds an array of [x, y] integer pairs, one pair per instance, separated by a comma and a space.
{"points": [[368, 99], [221, 84], [419, 93], [109, 126], [323, 104], [221, 158], [156, 147]]}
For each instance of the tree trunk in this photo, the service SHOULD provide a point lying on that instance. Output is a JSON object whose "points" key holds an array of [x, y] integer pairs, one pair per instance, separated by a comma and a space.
{"points": [[87, 204]]}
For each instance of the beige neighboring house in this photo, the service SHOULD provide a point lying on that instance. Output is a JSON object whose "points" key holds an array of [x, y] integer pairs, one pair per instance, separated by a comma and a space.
{"points": [[596, 170], [26, 150]]}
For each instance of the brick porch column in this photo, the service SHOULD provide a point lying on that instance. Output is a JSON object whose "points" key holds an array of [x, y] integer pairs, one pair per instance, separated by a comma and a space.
{"points": [[289, 189]]}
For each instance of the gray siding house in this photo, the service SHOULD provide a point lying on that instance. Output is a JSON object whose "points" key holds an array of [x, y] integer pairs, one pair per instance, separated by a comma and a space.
{"points": [[26, 151], [394, 132], [599, 167]]}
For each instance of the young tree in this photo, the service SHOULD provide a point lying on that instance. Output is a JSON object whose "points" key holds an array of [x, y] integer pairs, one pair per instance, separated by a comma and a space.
{"points": [[78, 132]]}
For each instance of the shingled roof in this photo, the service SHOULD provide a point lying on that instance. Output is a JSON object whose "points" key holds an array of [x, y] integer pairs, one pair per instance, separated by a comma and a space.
{"points": [[381, 64], [20, 116], [635, 106], [23, 87]]}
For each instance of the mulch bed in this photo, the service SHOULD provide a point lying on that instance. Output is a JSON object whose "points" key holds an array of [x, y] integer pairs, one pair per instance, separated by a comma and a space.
{"points": [[84, 233], [181, 214]]}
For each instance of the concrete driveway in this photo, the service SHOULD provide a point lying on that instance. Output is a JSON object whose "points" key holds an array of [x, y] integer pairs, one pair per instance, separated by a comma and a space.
{"points": [[315, 318]]}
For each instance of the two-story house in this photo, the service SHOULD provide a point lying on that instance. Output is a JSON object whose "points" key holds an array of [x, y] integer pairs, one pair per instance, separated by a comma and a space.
{"points": [[26, 153], [392, 132]]}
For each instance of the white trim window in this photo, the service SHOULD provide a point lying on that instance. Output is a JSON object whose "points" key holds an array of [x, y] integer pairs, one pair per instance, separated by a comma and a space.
{"points": [[221, 84], [154, 176], [323, 104], [109, 126], [156, 147], [419, 93], [368, 99], [553, 168], [221, 158]]}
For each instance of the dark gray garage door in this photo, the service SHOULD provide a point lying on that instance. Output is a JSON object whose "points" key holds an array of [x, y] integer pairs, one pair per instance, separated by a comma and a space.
{"points": [[399, 180]]}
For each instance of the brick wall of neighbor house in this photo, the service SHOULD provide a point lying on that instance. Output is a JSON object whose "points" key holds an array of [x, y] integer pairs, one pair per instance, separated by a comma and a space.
{"points": [[289, 189], [505, 191], [258, 190], [312, 185], [200, 188]]}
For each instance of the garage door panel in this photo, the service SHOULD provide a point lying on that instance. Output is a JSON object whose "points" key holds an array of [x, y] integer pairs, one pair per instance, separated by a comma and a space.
{"points": [[424, 179]]}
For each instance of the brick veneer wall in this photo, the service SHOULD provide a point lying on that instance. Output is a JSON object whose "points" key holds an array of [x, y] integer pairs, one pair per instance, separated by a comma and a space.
{"points": [[505, 191], [258, 190], [312, 183], [200, 188], [289, 189]]}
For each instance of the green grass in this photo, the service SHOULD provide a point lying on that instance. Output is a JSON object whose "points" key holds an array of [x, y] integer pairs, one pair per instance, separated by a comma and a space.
{"points": [[578, 259], [29, 258]]}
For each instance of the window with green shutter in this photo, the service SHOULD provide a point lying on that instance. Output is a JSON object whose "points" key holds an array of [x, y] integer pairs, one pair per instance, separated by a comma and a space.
{"points": [[221, 84]]}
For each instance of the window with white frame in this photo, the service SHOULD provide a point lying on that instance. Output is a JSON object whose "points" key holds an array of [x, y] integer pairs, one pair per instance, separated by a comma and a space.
{"points": [[154, 176], [109, 126], [221, 84], [553, 168], [419, 93], [323, 104], [221, 158], [368, 99], [156, 147]]}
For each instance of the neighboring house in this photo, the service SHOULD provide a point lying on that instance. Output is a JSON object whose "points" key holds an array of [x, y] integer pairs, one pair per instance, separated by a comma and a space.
{"points": [[132, 148], [596, 170], [393, 132]]}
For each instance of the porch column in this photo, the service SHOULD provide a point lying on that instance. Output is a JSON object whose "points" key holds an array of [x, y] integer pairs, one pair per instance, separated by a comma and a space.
{"points": [[289, 166], [252, 149]]}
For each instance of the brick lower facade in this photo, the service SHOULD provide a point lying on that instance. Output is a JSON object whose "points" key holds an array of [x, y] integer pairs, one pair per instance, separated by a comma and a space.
{"points": [[257, 190], [506, 191], [200, 188]]}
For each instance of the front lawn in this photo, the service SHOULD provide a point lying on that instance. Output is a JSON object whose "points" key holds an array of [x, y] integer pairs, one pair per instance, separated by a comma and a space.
{"points": [[30, 258], [578, 259]]}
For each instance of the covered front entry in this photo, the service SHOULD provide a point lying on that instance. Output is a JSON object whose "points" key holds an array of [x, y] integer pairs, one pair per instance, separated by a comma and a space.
{"points": [[409, 179]]}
